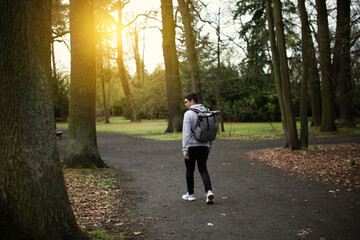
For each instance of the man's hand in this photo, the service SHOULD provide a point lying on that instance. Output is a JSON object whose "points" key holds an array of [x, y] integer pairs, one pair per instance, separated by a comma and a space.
{"points": [[186, 156]]}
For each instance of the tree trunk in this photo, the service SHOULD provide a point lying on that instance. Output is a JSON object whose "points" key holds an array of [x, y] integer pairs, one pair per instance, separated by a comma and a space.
{"points": [[120, 61], [53, 79], [33, 197], [341, 62], [103, 78], [218, 77], [190, 42], [172, 74], [106, 112], [81, 149], [276, 69], [312, 69], [143, 62], [306, 57], [109, 79], [314, 88], [285, 80], [328, 85], [137, 57], [53, 60]]}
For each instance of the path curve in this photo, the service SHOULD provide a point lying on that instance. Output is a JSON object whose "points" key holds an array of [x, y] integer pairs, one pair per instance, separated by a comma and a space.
{"points": [[252, 200]]}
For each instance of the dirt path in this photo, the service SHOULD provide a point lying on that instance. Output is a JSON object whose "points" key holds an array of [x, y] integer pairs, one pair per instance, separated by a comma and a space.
{"points": [[252, 200]]}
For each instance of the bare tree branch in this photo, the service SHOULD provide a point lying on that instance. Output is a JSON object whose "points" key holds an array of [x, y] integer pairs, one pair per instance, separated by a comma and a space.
{"points": [[58, 35], [146, 15], [201, 19], [64, 42]]}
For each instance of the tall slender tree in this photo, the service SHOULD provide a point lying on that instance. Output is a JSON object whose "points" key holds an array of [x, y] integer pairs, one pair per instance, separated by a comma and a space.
{"points": [[314, 86], [81, 149], [328, 84], [310, 69], [120, 61], [341, 62], [218, 74], [172, 74], [33, 198], [134, 34], [306, 63], [276, 68], [285, 80], [190, 41], [104, 77], [103, 21]]}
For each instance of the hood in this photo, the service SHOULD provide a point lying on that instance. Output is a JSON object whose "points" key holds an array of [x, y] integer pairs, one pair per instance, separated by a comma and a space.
{"points": [[199, 107]]}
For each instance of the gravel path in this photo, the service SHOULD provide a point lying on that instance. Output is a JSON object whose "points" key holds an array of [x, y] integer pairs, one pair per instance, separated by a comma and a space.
{"points": [[252, 200]]}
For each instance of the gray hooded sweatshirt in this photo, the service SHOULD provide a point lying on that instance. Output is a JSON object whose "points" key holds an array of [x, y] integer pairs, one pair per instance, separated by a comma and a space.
{"points": [[188, 139]]}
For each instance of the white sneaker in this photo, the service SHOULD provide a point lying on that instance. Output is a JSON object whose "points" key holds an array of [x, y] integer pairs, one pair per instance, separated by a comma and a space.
{"points": [[188, 197], [209, 197]]}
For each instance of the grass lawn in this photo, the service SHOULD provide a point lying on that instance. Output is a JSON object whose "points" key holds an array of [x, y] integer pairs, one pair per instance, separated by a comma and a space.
{"points": [[154, 129]]}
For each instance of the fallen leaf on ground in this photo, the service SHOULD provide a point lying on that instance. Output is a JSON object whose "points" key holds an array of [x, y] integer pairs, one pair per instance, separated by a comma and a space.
{"points": [[338, 164]]}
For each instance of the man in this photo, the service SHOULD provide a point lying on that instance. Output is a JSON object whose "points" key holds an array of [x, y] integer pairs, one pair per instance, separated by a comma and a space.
{"points": [[195, 151]]}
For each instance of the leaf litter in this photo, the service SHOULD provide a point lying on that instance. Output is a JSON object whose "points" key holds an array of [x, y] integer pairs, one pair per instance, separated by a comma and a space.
{"points": [[337, 164], [98, 200]]}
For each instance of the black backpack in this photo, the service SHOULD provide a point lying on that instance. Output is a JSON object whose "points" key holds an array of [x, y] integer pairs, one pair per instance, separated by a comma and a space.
{"points": [[206, 127]]}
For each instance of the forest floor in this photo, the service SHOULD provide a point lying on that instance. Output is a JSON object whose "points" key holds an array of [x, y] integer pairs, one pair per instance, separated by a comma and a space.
{"points": [[260, 189], [338, 164]]}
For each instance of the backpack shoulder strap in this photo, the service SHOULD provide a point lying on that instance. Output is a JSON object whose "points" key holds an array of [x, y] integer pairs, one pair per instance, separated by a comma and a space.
{"points": [[194, 110], [198, 111]]}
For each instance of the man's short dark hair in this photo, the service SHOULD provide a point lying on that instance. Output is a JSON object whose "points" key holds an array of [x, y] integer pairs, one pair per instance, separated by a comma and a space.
{"points": [[192, 96]]}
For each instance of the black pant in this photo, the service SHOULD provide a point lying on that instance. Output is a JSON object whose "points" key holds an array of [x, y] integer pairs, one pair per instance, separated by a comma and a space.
{"points": [[199, 154]]}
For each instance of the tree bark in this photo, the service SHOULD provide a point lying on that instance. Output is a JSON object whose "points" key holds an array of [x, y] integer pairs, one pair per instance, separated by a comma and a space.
{"points": [[276, 68], [311, 66], [81, 149], [103, 77], [120, 61], [218, 76], [285, 80], [53, 80], [137, 57], [328, 85], [341, 62], [33, 197], [306, 57], [314, 88], [172, 74], [190, 41]]}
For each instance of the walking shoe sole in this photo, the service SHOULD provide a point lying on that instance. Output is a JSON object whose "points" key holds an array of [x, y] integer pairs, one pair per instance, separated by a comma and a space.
{"points": [[210, 199], [188, 199]]}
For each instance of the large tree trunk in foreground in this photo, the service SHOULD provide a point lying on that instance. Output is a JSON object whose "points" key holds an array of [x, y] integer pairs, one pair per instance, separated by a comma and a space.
{"points": [[328, 85], [341, 62], [33, 198], [190, 42], [285, 79], [276, 64], [81, 149], [173, 86]]}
